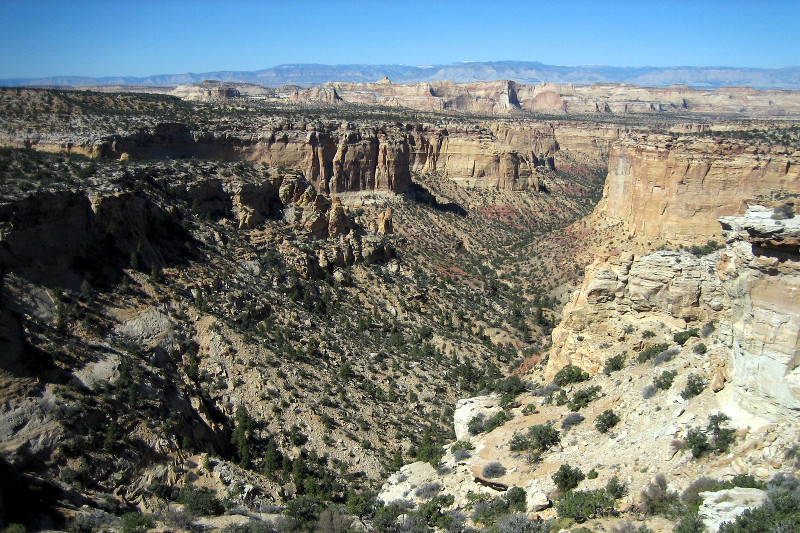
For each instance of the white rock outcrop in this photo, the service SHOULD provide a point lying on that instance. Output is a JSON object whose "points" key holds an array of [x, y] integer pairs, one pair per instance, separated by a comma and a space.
{"points": [[469, 408], [725, 505], [760, 273]]}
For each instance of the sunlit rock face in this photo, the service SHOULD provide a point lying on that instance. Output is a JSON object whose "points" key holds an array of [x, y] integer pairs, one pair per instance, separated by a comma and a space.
{"points": [[760, 273]]}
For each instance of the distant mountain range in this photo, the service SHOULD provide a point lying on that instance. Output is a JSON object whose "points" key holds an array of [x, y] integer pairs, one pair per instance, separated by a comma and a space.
{"points": [[519, 71]]}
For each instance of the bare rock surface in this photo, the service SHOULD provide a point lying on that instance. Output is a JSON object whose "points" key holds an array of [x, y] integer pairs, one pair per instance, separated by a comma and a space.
{"points": [[725, 505], [760, 271], [469, 408]]}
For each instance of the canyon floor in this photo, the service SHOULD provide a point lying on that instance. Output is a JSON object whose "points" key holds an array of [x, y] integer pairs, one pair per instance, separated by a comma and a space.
{"points": [[258, 315]]}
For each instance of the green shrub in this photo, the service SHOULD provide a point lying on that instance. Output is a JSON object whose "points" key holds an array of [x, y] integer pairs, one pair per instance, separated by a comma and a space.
{"points": [[582, 398], [304, 510], [695, 384], [682, 336], [538, 438], [200, 501], [664, 380], [690, 523], [475, 425], [136, 523], [651, 352], [700, 348], [592, 474], [570, 374], [362, 504], [14, 528], [567, 478], [479, 425], [782, 212], [615, 489], [431, 511], [648, 334], [242, 436], [709, 247], [510, 388], [516, 498], [615, 363], [713, 439], [496, 421], [606, 420], [697, 441], [581, 505]]}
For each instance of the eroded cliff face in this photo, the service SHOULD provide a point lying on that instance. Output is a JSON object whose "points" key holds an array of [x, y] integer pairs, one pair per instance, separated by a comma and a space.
{"points": [[505, 96], [342, 157], [751, 290], [760, 274], [623, 296], [668, 189]]}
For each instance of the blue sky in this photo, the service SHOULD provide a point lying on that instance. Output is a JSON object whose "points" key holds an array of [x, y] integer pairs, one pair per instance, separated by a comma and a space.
{"points": [[144, 37]]}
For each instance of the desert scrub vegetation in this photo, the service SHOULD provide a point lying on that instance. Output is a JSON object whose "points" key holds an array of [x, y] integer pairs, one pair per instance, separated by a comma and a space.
{"points": [[613, 364], [536, 441], [488, 511], [695, 384], [571, 420], [657, 499], [682, 336], [651, 352], [567, 478], [582, 505], [664, 380], [700, 348], [136, 523], [606, 420], [200, 501], [582, 397], [705, 249], [481, 424], [493, 469], [570, 374], [714, 438]]}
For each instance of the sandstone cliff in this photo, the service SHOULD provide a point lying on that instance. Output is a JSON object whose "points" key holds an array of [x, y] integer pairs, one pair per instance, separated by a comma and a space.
{"points": [[760, 274], [344, 157], [508, 97], [670, 189], [749, 290]]}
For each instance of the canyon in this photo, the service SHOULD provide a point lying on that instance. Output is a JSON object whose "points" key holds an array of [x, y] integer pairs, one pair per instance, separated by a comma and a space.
{"points": [[310, 296]]}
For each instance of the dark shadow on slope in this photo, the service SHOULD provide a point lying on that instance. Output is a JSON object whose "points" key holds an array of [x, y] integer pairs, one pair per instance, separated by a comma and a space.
{"points": [[421, 195]]}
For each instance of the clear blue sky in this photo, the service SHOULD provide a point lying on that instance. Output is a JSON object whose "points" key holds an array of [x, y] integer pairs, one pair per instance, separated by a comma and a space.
{"points": [[144, 37]]}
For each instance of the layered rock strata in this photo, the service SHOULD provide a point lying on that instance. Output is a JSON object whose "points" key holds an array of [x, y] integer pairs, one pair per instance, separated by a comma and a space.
{"points": [[751, 289], [507, 97], [668, 189], [341, 157], [760, 273]]}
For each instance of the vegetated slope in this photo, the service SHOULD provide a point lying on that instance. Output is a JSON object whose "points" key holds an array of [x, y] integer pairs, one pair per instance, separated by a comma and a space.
{"points": [[166, 321], [670, 367]]}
